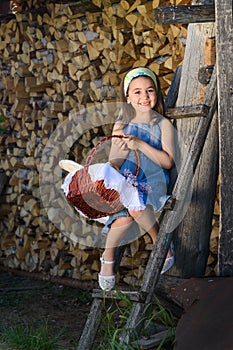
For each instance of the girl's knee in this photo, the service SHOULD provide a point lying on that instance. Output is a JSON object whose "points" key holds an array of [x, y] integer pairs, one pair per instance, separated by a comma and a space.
{"points": [[135, 213], [121, 222]]}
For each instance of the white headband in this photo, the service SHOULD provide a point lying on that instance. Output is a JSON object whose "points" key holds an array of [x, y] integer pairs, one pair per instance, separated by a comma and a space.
{"points": [[137, 72]]}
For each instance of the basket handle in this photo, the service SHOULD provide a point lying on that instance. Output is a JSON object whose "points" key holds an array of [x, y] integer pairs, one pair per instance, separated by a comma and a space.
{"points": [[98, 145]]}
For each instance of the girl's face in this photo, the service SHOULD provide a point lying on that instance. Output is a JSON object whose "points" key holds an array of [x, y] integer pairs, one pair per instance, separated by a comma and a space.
{"points": [[142, 94]]}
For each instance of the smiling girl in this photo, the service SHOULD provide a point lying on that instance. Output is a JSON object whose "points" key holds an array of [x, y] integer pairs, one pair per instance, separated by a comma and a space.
{"points": [[151, 134]]}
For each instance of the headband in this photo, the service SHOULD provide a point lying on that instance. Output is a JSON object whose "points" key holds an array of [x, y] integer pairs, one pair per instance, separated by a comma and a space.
{"points": [[138, 72]]}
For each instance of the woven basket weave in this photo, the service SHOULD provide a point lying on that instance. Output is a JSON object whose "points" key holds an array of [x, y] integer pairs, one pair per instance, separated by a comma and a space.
{"points": [[93, 199]]}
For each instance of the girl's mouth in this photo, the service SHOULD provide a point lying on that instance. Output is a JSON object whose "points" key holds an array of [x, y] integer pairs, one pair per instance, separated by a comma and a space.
{"points": [[145, 104]]}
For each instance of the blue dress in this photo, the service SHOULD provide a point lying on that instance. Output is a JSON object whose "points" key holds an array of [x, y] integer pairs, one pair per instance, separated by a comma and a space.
{"points": [[150, 172]]}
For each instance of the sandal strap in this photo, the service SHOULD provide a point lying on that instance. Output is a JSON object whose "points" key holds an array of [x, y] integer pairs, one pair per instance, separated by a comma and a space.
{"points": [[112, 277], [103, 261]]}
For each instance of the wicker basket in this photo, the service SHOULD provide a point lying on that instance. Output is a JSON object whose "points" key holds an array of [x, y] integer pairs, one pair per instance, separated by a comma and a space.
{"points": [[93, 199]]}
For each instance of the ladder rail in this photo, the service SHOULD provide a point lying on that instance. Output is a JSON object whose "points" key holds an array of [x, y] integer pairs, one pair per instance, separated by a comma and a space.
{"points": [[88, 336]]}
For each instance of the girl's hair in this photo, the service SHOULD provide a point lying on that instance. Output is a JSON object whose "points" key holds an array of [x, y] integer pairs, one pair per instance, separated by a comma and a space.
{"points": [[128, 112]]}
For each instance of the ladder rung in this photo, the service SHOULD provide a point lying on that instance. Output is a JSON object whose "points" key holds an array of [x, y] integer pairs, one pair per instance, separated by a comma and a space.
{"points": [[188, 111], [137, 296], [154, 340]]}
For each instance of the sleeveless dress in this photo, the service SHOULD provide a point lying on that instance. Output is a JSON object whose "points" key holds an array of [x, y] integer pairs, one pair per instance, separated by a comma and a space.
{"points": [[151, 173]]}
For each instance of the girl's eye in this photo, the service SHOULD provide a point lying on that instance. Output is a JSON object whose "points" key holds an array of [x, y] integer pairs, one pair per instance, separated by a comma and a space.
{"points": [[149, 91]]}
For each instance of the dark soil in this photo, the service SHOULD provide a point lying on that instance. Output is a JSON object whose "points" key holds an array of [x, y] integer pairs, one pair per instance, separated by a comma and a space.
{"points": [[28, 301]]}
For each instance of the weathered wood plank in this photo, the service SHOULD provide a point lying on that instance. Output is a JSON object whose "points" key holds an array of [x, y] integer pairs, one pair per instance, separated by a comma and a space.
{"points": [[192, 235], [184, 14], [171, 97], [155, 340], [114, 294], [224, 42], [92, 325], [188, 111]]}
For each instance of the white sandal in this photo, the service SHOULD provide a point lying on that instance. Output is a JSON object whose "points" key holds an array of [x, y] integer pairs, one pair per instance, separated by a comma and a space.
{"points": [[106, 282], [169, 262]]}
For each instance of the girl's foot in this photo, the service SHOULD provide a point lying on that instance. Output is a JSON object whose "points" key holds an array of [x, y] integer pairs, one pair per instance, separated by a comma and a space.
{"points": [[106, 282], [170, 260]]}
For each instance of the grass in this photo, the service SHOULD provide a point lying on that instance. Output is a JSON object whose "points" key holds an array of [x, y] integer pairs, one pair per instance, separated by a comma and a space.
{"points": [[23, 335], [29, 337], [114, 323], [22, 329]]}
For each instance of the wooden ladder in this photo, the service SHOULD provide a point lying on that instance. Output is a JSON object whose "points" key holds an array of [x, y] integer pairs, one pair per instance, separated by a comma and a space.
{"points": [[144, 295]]}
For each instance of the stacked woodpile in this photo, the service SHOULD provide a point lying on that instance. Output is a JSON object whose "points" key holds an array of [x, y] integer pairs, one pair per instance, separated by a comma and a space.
{"points": [[55, 62]]}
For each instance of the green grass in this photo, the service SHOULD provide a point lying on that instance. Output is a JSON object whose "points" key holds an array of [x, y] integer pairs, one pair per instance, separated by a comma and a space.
{"points": [[17, 333], [28, 337], [115, 318]]}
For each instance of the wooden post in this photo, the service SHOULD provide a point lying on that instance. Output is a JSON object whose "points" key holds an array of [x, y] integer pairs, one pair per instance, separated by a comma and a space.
{"points": [[224, 42], [192, 235]]}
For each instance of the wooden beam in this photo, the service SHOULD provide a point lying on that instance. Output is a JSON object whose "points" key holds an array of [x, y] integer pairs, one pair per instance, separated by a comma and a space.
{"points": [[224, 44], [113, 294], [188, 111], [171, 97], [184, 14], [92, 325], [190, 259]]}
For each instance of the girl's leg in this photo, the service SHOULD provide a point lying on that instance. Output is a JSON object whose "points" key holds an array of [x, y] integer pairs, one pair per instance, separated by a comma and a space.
{"points": [[116, 232], [146, 220]]}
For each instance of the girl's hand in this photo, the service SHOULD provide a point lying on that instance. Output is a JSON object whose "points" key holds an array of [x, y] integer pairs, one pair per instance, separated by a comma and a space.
{"points": [[120, 143], [132, 142]]}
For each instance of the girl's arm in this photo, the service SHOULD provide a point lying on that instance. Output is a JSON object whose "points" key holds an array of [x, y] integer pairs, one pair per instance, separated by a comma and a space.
{"points": [[164, 157], [119, 149]]}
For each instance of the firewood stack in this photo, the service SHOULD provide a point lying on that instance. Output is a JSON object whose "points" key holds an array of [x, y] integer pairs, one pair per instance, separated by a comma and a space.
{"points": [[55, 61]]}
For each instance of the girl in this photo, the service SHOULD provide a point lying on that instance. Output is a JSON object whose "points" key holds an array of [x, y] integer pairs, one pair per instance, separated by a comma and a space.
{"points": [[151, 134]]}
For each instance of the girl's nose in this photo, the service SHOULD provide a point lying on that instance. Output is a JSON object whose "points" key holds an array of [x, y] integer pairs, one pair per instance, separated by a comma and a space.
{"points": [[145, 94]]}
